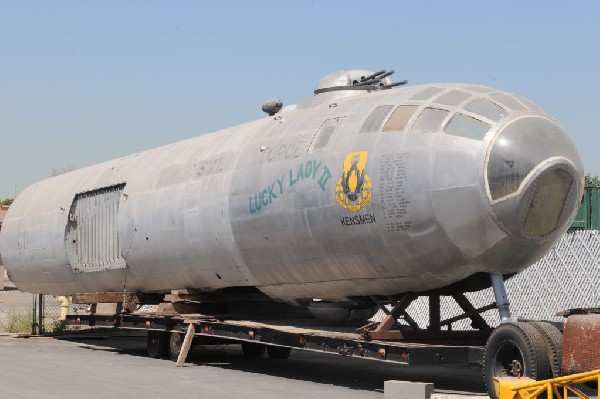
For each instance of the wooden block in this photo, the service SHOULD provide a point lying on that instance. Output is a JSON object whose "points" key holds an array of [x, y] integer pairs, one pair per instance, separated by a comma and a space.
{"points": [[105, 297], [185, 297], [108, 308], [165, 309]]}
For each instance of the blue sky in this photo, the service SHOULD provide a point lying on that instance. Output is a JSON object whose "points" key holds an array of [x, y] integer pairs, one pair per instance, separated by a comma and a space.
{"points": [[83, 82]]}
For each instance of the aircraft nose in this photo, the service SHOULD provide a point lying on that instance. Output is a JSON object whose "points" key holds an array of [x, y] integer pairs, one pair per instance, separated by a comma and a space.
{"points": [[534, 178]]}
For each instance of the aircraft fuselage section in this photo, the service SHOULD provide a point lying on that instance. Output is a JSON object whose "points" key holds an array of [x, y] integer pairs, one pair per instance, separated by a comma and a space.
{"points": [[375, 194]]}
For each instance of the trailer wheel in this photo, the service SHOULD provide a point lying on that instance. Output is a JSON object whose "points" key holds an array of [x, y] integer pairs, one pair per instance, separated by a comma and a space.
{"points": [[278, 352], [251, 349], [515, 349], [553, 339], [156, 344], [174, 346]]}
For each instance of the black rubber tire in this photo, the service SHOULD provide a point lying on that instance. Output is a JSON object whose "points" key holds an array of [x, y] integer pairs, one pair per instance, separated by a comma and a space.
{"points": [[251, 349], [156, 344], [553, 339], [174, 345], [278, 352], [518, 344]]}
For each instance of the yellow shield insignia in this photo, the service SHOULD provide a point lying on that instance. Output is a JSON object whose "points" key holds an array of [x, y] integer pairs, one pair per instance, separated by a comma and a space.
{"points": [[353, 189]]}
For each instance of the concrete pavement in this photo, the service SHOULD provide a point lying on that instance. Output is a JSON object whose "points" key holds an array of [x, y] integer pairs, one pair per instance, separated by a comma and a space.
{"points": [[117, 367]]}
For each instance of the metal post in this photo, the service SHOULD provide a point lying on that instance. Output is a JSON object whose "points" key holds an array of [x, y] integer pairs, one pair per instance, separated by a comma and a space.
{"points": [[502, 302], [41, 314], [434, 313], [34, 315]]}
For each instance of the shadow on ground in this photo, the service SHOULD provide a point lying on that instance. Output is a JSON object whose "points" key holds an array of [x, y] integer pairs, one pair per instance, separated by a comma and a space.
{"points": [[333, 369]]}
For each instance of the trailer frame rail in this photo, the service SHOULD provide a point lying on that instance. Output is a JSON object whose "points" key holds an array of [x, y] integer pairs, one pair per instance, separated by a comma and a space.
{"points": [[349, 344]]}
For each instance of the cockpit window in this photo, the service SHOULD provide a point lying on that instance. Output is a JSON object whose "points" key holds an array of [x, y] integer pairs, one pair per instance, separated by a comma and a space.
{"points": [[430, 120], [426, 94], [398, 120], [529, 104], [507, 101], [375, 119], [453, 97], [480, 89], [521, 147], [486, 108], [466, 126], [547, 203]]}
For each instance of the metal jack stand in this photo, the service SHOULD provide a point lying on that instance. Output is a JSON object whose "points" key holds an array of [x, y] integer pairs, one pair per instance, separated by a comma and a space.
{"points": [[438, 330], [383, 330]]}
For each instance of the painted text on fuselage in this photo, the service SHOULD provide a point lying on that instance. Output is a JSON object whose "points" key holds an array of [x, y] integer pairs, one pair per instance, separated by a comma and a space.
{"points": [[309, 170]]}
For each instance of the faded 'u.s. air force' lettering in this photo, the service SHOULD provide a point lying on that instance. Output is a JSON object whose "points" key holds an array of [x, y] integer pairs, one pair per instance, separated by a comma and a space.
{"points": [[313, 170]]}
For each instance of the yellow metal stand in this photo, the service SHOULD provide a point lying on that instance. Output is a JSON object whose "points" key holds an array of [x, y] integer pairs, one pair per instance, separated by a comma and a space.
{"points": [[64, 307], [526, 388]]}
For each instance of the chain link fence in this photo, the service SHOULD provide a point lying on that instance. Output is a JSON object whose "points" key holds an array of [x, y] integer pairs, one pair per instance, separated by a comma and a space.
{"points": [[567, 277], [20, 311]]}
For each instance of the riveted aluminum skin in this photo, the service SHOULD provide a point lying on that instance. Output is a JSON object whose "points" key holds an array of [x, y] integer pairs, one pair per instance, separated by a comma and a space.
{"points": [[327, 200]]}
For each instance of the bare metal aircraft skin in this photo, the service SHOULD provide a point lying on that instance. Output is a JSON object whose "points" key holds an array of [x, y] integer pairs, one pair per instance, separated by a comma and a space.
{"points": [[358, 191]]}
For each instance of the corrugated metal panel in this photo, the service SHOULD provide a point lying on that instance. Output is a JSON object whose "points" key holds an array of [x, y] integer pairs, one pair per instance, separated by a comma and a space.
{"points": [[588, 215], [582, 218], [595, 209], [93, 230]]}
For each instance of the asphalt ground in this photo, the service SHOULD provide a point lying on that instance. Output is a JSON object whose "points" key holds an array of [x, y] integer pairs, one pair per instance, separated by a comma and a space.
{"points": [[102, 364], [117, 366]]}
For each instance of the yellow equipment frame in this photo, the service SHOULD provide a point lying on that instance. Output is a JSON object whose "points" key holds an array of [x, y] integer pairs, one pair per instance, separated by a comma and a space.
{"points": [[527, 388]]}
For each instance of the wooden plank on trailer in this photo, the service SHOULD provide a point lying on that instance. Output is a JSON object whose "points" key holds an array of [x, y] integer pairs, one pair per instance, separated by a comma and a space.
{"points": [[105, 297], [187, 344]]}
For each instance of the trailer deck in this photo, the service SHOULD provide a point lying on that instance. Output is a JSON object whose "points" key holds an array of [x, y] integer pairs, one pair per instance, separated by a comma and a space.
{"points": [[300, 334]]}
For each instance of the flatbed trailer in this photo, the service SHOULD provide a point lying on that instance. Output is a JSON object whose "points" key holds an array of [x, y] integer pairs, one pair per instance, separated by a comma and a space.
{"points": [[166, 333], [515, 348]]}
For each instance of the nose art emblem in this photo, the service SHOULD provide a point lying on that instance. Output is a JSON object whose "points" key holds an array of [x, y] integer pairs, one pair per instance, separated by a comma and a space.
{"points": [[353, 190]]}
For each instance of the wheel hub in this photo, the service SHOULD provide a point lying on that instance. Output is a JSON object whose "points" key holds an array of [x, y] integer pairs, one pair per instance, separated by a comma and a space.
{"points": [[515, 369]]}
